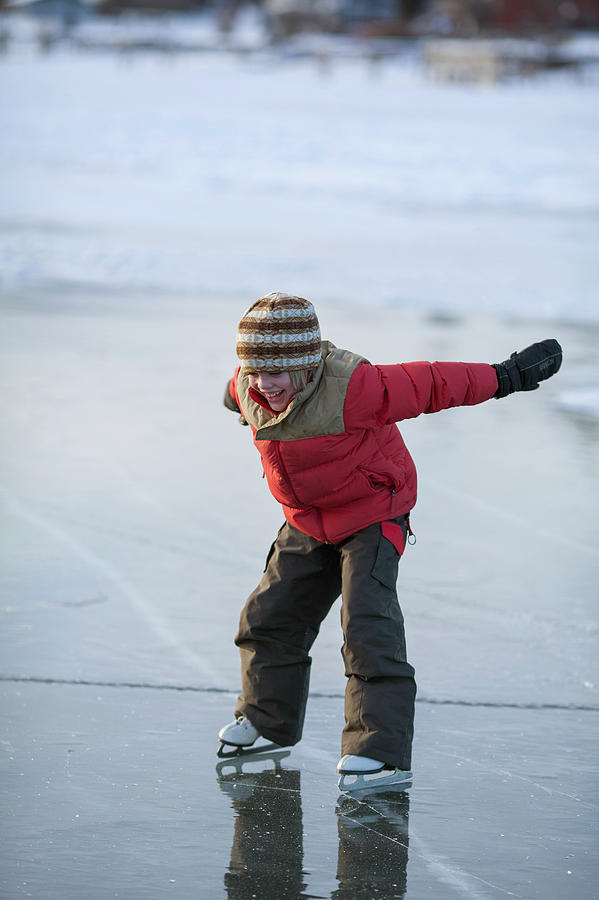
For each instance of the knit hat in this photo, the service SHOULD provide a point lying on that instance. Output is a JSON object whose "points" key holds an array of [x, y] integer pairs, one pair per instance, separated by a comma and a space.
{"points": [[279, 333]]}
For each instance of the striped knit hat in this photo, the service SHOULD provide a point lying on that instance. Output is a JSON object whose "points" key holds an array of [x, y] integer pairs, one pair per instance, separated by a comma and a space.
{"points": [[279, 333]]}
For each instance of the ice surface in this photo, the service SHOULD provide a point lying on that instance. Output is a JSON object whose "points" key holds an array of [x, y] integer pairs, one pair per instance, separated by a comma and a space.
{"points": [[114, 792], [137, 521], [134, 524], [145, 204]]}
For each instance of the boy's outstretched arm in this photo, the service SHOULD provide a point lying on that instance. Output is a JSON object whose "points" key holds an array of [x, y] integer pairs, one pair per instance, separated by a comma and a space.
{"points": [[391, 393]]}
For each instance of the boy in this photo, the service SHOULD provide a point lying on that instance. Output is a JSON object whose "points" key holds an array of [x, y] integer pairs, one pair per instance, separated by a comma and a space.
{"points": [[323, 421]]}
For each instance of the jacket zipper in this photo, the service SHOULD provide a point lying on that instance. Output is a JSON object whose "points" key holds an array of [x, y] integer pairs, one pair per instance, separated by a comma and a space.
{"points": [[285, 475]]}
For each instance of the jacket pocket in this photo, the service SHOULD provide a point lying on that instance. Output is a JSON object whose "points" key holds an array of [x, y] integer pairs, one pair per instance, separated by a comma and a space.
{"points": [[379, 481]]}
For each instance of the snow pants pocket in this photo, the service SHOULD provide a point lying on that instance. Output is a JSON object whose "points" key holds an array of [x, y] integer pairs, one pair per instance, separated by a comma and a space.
{"points": [[379, 701], [371, 618]]}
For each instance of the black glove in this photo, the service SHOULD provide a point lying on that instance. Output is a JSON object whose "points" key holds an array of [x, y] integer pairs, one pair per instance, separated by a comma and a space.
{"points": [[523, 371], [228, 400]]}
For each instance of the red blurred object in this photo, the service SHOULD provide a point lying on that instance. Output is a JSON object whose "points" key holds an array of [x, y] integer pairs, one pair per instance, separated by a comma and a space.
{"points": [[518, 15]]}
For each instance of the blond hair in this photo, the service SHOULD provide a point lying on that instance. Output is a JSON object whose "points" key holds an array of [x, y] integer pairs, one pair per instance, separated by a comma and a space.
{"points": [[300, 379]]}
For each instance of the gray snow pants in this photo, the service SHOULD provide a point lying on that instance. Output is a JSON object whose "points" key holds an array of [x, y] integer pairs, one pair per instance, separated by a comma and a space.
{"points": [[302, 579]]}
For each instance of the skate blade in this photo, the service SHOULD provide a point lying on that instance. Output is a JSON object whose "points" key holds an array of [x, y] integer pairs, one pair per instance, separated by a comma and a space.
{"points": [[350, 782], [234, 765], [241, 750]]}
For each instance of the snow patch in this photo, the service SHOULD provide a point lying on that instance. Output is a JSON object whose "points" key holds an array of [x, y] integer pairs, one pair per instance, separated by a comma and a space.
{"points": [[209, 173], [583, 401]]}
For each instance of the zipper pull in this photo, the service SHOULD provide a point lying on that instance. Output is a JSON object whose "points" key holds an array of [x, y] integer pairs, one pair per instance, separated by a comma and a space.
{"points": [[411, 535]]}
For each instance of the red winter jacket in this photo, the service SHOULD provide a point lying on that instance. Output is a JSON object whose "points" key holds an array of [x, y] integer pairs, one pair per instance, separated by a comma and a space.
{"points": [[335, 459]]}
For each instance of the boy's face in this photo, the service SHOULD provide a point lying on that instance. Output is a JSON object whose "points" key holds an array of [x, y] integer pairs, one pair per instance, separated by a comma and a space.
{"points": [[275, 386]]}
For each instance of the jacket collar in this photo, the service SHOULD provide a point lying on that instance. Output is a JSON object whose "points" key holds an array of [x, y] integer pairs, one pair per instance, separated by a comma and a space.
{"points": [[259, 416], [316, 411]]}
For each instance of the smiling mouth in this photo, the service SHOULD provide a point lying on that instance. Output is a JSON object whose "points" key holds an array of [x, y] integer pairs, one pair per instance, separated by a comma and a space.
{"points": [[274, 396]]}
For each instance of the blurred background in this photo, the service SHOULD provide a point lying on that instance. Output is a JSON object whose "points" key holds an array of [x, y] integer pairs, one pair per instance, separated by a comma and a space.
{"points": [[429, 154]]}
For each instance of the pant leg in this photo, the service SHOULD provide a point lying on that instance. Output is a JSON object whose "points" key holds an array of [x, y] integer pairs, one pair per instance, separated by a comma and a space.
{"points": [[278, 626], [381, 690]]}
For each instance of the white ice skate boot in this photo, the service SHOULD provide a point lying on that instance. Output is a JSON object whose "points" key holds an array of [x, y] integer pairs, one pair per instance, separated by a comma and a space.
{"points": [[359, 772], [240, 733], [241, 736]]}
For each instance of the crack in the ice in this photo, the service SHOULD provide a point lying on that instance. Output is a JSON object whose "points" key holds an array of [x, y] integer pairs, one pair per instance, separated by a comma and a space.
{"points": [[555, 536], [135, 685], [506, 773], [152, 617], [451, 875], [199, 689], [260, 787]]}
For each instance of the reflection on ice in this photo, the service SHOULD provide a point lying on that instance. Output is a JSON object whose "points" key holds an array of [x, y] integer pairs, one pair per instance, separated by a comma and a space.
{"points": [[368, 867], [115, 794], [267, 852], [267, 856]]}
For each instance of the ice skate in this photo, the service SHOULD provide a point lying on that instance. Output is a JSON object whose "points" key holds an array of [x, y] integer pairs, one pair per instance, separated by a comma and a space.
{"points": [[359, 772], [241, 736]]}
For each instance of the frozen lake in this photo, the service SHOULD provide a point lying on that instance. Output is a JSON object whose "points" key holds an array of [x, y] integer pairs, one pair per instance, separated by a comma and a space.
{"points": [[135, 522], [145, 204]]}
